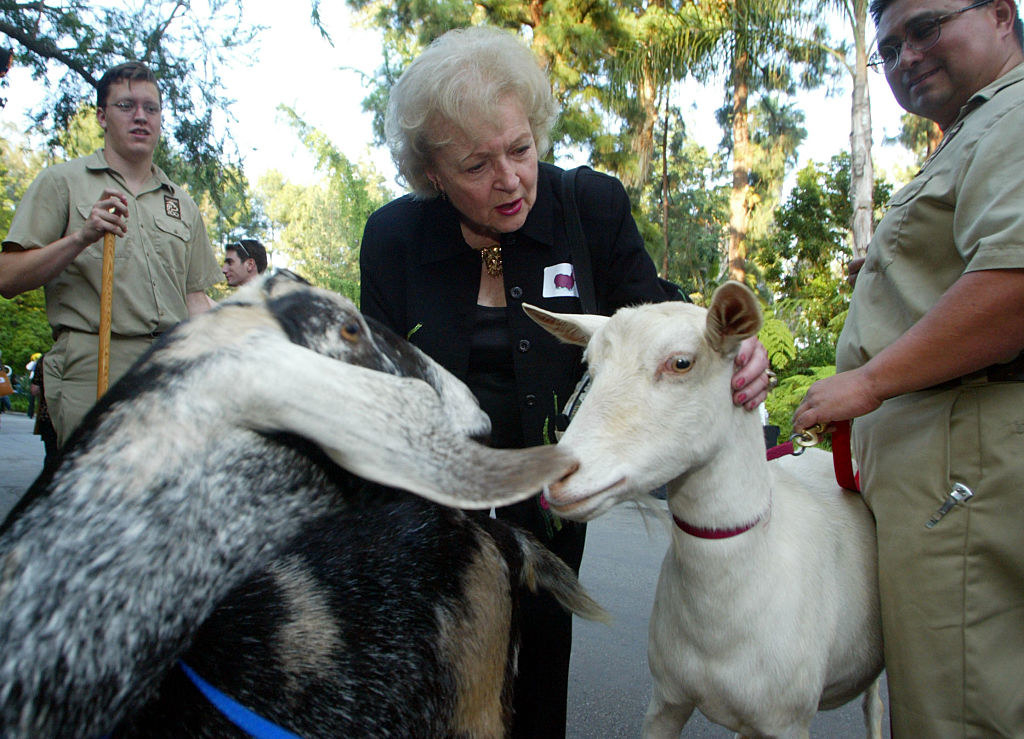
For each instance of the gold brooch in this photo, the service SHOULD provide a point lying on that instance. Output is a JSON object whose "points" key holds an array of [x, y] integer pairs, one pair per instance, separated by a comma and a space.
{"points": [[491, 256]]}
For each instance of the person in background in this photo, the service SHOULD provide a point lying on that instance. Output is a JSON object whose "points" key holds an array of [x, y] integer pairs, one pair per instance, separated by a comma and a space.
{"points": [[6, 386], [43, 427], [930, 366], [243, 261], [484, 231], [163, 263], [30, 368]]}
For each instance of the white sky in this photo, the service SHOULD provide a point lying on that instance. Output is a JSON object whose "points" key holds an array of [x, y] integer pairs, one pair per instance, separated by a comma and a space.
{"points": [[292, 64]]}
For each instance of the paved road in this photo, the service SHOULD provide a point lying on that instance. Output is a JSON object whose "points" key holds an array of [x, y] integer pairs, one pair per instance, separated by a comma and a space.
{"points": [[609, 682], [21, 458]]}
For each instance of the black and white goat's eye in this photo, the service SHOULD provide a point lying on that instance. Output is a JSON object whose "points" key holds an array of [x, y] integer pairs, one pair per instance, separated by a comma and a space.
{"points": [[350, 331], [678, 364]]}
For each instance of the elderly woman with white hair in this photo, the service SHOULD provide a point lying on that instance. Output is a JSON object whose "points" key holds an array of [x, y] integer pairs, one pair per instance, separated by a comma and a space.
{"points": [[485, 230]]}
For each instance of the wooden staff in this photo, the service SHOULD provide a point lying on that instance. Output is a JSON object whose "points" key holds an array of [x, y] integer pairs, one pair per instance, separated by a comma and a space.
{"points": [[106, 303]]}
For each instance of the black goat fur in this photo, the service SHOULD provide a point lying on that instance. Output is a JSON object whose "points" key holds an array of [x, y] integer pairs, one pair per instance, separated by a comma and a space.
{"points": [[193, 519]]}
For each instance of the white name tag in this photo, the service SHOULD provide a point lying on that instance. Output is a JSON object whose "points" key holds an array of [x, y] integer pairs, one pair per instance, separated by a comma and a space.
{"points": [[560, 281]]}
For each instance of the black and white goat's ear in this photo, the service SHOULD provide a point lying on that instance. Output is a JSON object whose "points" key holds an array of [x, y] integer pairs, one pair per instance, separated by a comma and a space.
{"points": [[279, 279], [733, 316], [393, 430], [571, 328]]}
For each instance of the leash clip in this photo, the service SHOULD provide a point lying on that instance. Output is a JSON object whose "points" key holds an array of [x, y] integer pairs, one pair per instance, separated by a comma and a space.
{"points": [[806, 438]]}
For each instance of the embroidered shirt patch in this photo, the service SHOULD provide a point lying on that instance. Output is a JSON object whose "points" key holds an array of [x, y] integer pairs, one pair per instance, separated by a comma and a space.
{"points": [[560, 281], [172, 207]]}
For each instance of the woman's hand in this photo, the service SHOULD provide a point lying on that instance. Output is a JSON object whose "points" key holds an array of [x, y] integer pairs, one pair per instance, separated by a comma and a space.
{"points": [[751, 380]]}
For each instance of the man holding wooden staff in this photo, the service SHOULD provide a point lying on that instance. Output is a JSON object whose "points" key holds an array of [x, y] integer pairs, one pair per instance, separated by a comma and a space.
{"points": [[163, 260]]}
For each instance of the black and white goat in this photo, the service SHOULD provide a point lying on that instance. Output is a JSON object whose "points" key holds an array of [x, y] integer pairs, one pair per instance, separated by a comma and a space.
{"points": [[206, 512]]}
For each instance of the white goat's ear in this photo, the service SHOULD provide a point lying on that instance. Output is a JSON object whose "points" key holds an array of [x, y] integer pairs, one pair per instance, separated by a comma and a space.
{"points": [[733, 316], [572, 328]]}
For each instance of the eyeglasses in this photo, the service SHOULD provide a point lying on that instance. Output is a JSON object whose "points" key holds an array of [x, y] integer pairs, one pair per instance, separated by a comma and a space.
{"points": [[240, 250], [130, 106], [920, 35]]}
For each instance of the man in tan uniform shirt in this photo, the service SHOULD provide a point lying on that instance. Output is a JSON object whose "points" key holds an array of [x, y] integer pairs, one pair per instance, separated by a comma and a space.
{"points": [[163, 265], [930, 365]]}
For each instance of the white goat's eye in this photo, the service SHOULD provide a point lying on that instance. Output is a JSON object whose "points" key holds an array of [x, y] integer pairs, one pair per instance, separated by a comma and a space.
{"points": [[350, 331], [678, 364]]}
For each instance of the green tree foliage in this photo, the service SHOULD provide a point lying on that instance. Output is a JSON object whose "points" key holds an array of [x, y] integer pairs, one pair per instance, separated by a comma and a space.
{"points": [[317, 229], [24, 329], [68, 44], [572, 39], [784, 399], [803, 263], [23, 326], [686, 243], [18, 167], [775, 131], [237, 215], [919, 135], [778, 340]]}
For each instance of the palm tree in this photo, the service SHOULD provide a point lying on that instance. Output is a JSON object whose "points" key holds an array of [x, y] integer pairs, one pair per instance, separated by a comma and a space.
{"points": [[756, 43], [862, 176]]}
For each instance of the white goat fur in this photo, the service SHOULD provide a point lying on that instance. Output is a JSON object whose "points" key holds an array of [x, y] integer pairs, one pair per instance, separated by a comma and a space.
{"points": [[760, 630]]}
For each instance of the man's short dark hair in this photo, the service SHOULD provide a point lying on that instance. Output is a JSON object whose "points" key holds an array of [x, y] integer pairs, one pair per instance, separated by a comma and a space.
{"points": [[877, 7], [132, 71], [250, 249]]}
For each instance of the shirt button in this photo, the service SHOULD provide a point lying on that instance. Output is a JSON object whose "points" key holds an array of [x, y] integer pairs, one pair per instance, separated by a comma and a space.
{"points": [[516, 292], [530, 400], [524, 345]]}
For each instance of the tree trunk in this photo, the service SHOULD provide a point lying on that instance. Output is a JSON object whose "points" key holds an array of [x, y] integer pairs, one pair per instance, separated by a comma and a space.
{"points": [[862, 174], [643, 142], [741, 166], [664, 193]]}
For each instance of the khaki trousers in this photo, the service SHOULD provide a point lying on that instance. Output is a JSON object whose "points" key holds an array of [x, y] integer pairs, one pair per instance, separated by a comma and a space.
{"points": [[70, 373], [953, 595]]}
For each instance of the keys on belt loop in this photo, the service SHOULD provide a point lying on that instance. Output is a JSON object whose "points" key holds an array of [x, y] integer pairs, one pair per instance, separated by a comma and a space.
{"points": [[959, 495]]}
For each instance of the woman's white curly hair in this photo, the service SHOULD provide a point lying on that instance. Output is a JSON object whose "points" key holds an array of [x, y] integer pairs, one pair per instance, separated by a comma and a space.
{"points": [[458, 81]]}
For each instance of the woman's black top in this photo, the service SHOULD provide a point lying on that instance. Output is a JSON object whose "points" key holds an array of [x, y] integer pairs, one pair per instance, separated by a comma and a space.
{"points": [[491, 377], [421, 279]]}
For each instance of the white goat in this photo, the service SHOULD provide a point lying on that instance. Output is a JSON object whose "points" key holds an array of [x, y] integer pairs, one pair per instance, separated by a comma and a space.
{"points": [[766, 607]]}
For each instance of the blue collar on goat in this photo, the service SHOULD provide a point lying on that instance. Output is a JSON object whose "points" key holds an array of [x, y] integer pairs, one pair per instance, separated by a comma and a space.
{"points": [[248, 721]]}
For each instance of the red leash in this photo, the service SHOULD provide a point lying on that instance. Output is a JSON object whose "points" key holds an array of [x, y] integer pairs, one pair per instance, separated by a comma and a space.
{"points": [[841, 458], [842, 462], [781, 450]]}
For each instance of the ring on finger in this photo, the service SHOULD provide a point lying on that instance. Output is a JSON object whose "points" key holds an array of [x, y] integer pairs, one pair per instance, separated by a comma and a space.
{"points": [[773, 379]]}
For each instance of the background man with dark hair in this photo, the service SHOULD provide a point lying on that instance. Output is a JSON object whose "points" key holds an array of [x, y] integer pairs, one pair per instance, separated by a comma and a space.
{"points": [[164, 262], [931, 366], [243, 261]]}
